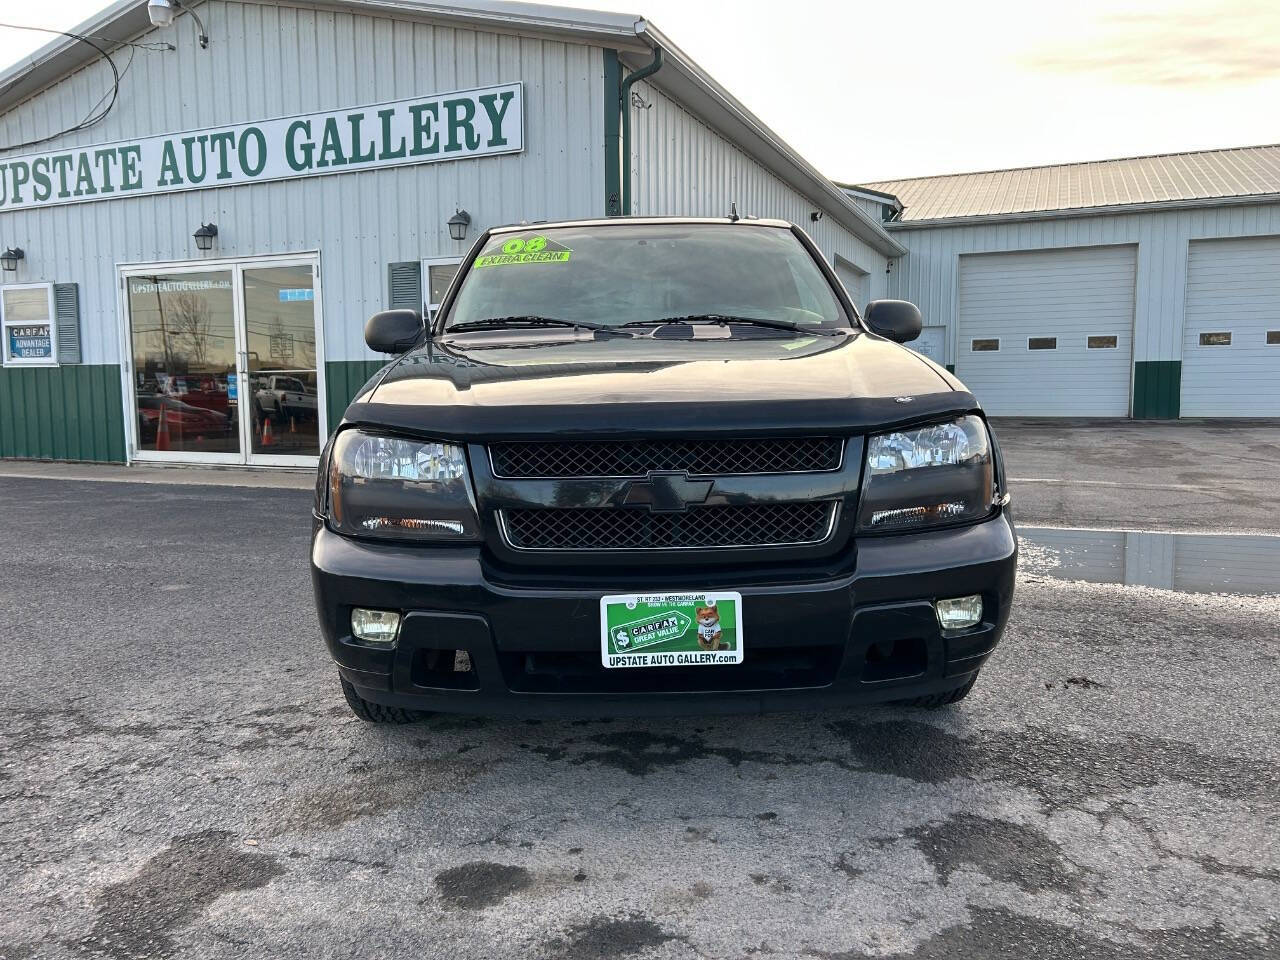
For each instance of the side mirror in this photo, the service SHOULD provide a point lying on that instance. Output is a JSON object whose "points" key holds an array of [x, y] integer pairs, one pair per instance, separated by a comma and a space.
{"points": [[897, 320], [393, 331]]}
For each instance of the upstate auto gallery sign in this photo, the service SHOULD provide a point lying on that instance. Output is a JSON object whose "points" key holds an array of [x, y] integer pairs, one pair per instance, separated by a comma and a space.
{"points": [[447, 126]]}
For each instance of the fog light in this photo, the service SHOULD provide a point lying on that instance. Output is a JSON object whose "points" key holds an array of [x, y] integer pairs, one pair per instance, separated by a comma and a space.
{"points": [[960, 612], [375, 626]]}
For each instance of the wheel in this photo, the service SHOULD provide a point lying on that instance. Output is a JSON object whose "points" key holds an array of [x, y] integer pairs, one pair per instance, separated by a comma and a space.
{"points": [[372, 712], [934, 700]]}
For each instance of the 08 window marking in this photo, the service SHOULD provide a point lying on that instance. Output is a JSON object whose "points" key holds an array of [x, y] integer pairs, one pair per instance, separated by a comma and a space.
{"points": [[535, 249]]}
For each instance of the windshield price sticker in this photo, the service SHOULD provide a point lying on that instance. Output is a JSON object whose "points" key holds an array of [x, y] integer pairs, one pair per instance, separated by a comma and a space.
{"points": [[670, 630], [524, 250]]}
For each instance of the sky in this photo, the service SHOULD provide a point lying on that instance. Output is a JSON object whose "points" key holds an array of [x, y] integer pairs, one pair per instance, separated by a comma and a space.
{"points": [[874, 91]]}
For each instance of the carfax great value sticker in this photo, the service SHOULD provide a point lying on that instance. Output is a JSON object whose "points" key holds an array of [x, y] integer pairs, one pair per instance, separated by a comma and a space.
{"points": [[671, 629]]}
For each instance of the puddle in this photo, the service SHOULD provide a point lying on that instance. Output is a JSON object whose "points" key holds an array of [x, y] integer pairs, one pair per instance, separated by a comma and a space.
{"points": [[1187, 562]]}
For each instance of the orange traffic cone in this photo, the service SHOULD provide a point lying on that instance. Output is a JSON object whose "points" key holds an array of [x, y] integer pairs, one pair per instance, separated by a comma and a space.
{"points": [[267, 438], [162, 431]]}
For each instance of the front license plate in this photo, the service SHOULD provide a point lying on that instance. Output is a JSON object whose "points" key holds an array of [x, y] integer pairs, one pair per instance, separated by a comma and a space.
{"points": [[670, 629]]}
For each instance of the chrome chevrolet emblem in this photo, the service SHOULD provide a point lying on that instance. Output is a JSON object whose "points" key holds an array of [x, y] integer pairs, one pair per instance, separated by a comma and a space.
{"points": [[667, 492]]}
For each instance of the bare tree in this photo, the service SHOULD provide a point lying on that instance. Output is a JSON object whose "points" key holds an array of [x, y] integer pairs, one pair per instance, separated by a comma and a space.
{"points": [[188, 322]]}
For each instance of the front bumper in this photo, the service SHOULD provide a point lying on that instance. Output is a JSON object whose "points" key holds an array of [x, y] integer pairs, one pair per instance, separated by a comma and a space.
{"points": [[864, 635]]}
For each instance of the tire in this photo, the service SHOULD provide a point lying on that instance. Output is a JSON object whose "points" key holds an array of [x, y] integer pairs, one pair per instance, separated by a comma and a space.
{"points": [[371, 712], [935, 700]]}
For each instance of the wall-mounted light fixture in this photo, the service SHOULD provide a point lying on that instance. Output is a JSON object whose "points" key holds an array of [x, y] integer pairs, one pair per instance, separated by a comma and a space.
{"points": [[162, 13], [458, 224], [817, 215], [204, 236], [9, 259]]}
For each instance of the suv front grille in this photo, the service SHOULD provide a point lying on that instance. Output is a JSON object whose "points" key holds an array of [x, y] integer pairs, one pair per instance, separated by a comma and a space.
{"points": [[747, 525], [635, 458]]}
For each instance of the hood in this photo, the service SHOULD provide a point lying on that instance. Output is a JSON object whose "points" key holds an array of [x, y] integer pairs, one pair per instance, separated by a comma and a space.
{"points": [[555, 383]]}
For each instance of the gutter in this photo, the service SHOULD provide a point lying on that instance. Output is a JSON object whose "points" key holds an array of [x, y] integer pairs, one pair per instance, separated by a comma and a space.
{"points": [[647, 70], [1028, 216]]}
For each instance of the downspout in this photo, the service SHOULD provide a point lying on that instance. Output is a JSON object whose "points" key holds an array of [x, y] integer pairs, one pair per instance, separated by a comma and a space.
{"points": [[646, 71]]}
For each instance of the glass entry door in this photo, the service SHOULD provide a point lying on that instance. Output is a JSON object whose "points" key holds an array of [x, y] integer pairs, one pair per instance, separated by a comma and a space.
{"points": [[225, 363], [283, 408]]}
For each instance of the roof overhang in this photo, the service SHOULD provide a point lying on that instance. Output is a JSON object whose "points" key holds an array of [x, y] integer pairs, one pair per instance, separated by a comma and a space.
{"points": [[680, 76], [693, 88], [126, 19], [1108, 211]]}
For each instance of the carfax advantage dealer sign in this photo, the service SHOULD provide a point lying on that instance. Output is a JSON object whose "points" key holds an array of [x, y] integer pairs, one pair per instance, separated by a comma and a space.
{"points": [[447, 126]]}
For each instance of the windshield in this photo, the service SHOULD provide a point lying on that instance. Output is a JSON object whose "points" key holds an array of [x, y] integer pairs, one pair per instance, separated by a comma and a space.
{"points": [[637, 274]]}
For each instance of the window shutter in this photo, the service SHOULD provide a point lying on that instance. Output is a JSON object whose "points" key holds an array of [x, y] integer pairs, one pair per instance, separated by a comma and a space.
{"points": [[66, 312], [404, 286]]}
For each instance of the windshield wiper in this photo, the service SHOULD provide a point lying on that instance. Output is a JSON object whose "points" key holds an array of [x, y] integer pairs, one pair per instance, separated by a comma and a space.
{"points": [[725, 319], [530, 320]]}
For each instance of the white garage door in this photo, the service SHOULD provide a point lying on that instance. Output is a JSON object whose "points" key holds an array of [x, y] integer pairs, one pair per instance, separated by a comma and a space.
{"points": [[856, 281], [1231, 337], [1048, 333]]}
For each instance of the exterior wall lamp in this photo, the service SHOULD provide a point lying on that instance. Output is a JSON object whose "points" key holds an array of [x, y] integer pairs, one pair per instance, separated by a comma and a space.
{"points": [[204, 236], [458, 224], [162, 12], [9, 259]]}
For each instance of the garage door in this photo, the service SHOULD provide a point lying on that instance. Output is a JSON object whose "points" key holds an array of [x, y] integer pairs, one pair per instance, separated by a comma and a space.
{"points": [[1231, 336], [1048, 333], [856, 281]]}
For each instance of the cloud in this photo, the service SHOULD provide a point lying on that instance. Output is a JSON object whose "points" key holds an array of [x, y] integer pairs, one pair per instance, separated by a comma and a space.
{"points": [[1229, 44]]}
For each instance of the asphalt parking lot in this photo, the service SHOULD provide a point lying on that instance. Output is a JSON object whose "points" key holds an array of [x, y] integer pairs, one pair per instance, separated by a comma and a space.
{"points": [[180, 777]]}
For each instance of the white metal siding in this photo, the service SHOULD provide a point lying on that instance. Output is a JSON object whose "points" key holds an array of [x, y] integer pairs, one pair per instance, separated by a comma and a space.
{"points": [[1233, 286], [681, 167], [856, 282], [931, 343], [1067, 294], [265, 61]]}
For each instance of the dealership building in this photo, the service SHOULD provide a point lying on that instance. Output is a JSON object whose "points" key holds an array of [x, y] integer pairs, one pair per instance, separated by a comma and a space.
{"points": [[196, 267], [1145, 287], [197, 218]]}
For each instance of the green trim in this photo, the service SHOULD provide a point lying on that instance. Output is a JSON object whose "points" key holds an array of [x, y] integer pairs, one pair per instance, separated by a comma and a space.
{"points": [[74, 412], [612, 134], [1157, 389], [342, 380]]}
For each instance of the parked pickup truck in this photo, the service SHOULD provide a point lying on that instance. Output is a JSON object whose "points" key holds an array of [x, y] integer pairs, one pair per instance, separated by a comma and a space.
{"points": [[285, 397], [652, 466]]}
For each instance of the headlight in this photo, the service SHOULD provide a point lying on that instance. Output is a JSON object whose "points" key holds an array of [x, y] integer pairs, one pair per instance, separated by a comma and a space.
{"points": [[927, 477], [398, 489]]}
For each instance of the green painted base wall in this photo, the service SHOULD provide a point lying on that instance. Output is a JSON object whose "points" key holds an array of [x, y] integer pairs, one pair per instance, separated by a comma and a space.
{"points": [[1157, 389], [342, 379], [62, 413]]}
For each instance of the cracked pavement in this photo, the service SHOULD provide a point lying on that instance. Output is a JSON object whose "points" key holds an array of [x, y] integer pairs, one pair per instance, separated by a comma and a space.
{"points": [[180, 777]]}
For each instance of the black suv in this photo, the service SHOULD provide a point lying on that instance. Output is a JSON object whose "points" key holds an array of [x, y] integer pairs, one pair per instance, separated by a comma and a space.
{"points": [[652, 466]]}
